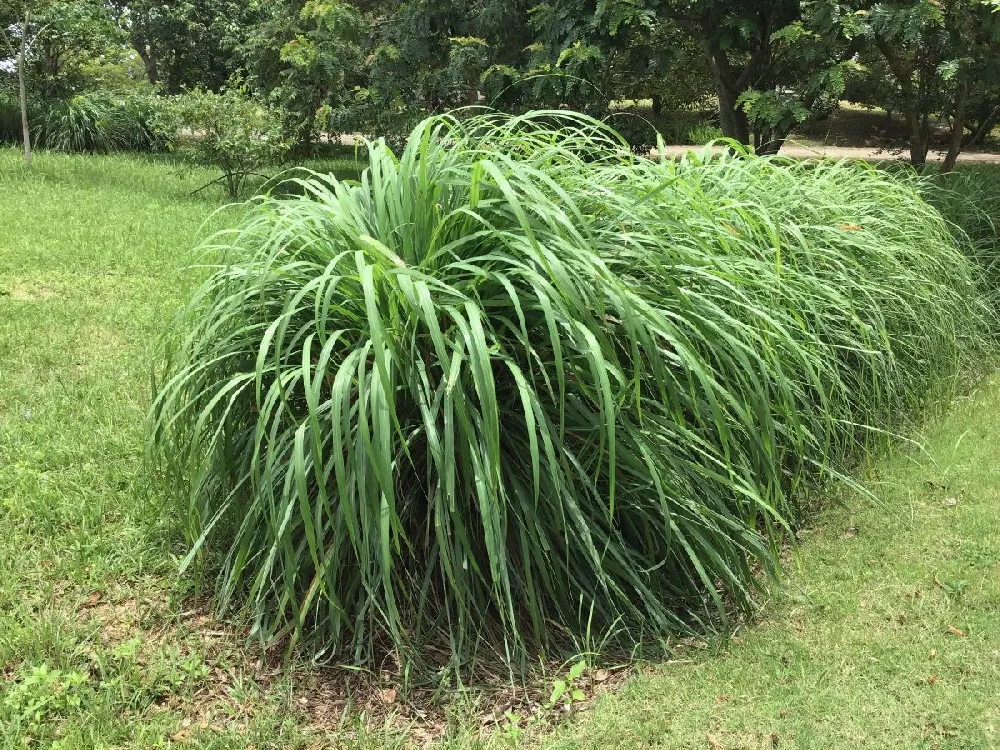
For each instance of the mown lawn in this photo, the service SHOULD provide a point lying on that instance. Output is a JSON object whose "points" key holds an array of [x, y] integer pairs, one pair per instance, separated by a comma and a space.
{"points": [[887, 633], [96, 638]]}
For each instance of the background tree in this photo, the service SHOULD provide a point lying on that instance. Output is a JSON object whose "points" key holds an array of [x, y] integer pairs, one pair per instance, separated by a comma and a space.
{"points": [[607, 58], [938, 55], [50, 40], [189, 43], [772, 65], [433, 55], [61, 38], [775, 64], [376, 67], [306, 56]]}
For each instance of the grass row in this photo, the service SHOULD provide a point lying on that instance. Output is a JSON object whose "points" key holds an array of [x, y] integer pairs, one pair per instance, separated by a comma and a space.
{"points": [[518, 388]]}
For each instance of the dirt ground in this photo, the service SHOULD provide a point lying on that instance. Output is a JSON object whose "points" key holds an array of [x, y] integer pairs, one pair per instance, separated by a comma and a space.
{"points": [[810, 151]]}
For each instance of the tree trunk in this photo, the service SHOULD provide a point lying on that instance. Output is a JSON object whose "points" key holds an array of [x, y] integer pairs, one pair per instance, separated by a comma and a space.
{"points": [[918, 147], [657, 105], [770, 145], [979, 137], [148, 57], [919, 130], [925, 135], [732, 119], [957, 129], [768, 140], [21, 61]]}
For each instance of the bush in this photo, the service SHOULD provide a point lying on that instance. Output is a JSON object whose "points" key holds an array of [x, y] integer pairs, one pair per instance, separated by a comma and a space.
{"points": [[228, 131], [100, 122], [521, 386], [969, 198], [10, 120], [80, 124], [702, 133], [640, 127]]}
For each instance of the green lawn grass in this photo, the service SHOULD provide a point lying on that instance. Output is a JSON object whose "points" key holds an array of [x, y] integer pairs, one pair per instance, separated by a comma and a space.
{"points": [[90, 254], [102, 645], [887, 634]]}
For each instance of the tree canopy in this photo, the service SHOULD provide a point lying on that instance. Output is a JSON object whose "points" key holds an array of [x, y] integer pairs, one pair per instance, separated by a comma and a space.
{"points": [[377, 66]]}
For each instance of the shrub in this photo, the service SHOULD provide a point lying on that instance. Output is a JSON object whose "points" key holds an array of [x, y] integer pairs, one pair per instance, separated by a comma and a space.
{"points": [[519, 385], [100, 122], [641, 128], [703, 133], [228, 131], [10, 120], [80, 124], [969, 198]]}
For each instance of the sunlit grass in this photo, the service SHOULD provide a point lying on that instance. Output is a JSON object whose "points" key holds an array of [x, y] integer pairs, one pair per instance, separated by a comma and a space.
{"points": [[886, 634]]}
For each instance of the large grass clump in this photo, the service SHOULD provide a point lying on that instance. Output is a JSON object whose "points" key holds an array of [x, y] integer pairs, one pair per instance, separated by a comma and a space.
{"points": [[517, 386], [969, 198], [100, 122]]}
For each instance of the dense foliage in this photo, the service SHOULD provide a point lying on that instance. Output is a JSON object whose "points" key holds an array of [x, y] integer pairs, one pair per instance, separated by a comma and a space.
{"points": [[519, 383], [970, 201], [376, 67], [229, 131]]}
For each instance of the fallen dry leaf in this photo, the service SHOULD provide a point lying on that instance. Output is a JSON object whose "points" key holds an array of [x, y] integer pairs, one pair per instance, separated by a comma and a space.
{"points": [[601, 675], [715, 744], [424, 737], [388, 696], [92, 600], [181, 737], [932, 679], [955, 631], [850, 227]]}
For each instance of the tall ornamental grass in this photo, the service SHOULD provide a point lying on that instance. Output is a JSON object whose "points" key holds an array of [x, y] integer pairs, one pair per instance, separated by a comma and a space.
{"points": [[517, 385], [969, 198], [100, 122]]}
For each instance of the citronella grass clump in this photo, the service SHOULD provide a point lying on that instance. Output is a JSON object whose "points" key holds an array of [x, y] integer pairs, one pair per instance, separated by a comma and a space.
{"points": [[969, 198], [517, 384]]}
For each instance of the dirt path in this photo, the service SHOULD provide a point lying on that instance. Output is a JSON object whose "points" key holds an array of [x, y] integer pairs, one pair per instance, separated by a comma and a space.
{"points": [[812, 151], [808, 150]]}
